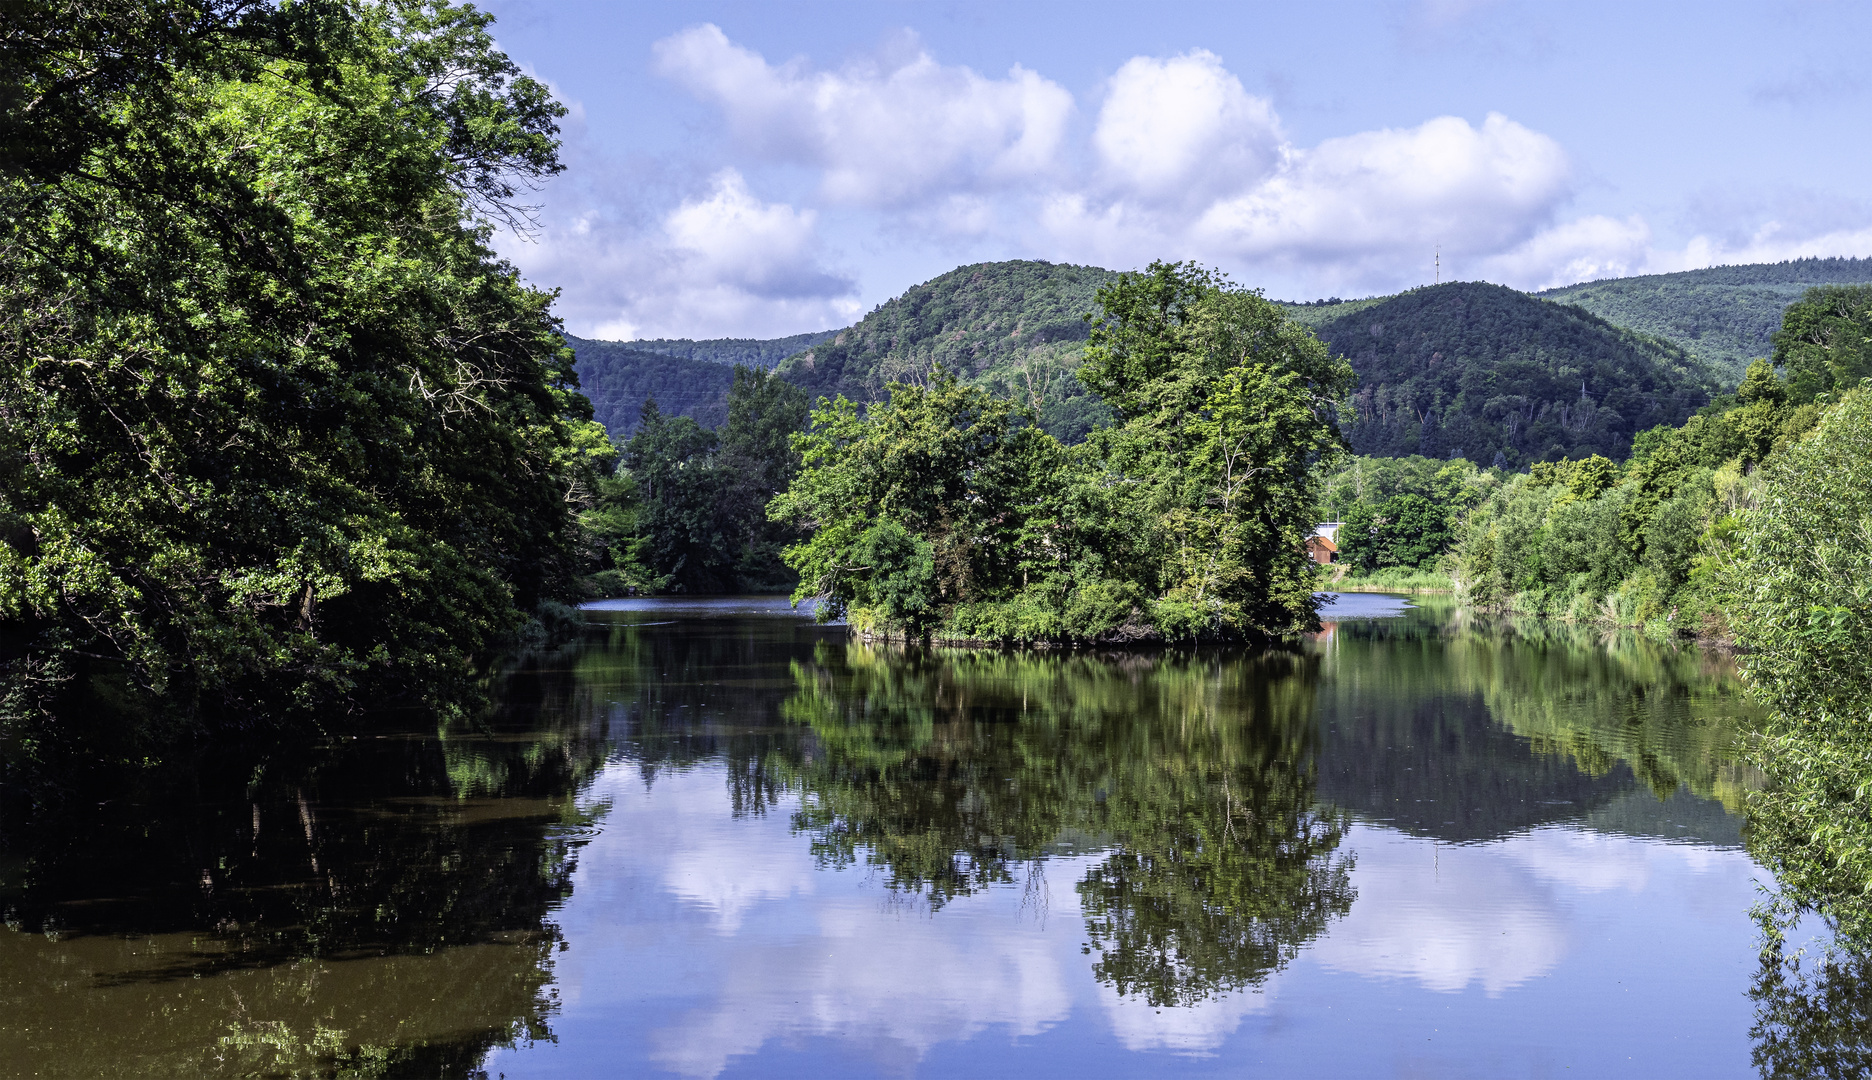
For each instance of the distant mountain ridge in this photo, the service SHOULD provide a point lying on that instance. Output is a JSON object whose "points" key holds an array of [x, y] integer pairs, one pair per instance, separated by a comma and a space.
{"points": [[1018, 328], [748, 352], [1723, 315]]}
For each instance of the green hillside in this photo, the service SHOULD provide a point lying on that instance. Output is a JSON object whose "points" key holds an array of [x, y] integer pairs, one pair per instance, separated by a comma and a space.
{"points": [[1484, 372], [1479, 369], [1017, 328], [748, 352], [1724, 315], [617, 376]]}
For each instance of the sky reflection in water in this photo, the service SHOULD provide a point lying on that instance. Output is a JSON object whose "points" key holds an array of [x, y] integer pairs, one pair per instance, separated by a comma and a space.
{"points": [[706, 943], [718, 840]]}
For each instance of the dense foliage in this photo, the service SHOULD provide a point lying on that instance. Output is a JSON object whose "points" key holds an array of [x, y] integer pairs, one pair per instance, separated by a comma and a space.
{"points": [[1800, 580], [1490, 374], [1016, 328], [687, 378], [763, 353], [945, 510], [1641, 542], [1824, 345], [1400, 513], [1724, 316], [685, 510], [280, 431]]}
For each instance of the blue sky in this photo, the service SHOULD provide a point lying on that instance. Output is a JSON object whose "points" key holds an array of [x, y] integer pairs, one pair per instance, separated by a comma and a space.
{"points": [[741, 169]]}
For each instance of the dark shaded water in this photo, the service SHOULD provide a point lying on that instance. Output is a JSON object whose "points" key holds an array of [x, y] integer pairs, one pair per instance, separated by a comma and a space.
{"points": [[717, 840]]}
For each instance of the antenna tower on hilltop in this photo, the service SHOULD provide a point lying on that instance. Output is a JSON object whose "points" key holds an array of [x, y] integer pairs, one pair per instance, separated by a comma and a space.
{"points": [[1439, 264]]}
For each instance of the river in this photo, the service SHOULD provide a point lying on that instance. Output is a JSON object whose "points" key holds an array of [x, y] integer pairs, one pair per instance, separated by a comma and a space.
{"points": [[718, 840]]}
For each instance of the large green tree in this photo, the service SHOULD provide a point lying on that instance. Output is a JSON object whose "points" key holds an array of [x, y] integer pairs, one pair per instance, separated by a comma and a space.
{"points": [[686, 509], [281, 431]]}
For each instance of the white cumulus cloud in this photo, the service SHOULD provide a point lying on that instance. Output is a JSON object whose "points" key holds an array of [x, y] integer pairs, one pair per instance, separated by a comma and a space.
{"points": [[1184, 128], [1359, 210], [731, 238], [886, 132], [913, 165], [1584, 249], [721, 263], [1385, 191]]}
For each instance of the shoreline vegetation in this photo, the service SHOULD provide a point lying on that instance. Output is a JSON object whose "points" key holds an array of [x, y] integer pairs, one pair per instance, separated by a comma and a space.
{"points": [[286, 442]]}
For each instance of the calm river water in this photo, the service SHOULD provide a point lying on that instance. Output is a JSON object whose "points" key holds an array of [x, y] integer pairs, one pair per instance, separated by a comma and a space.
{"points": [[717, 840]]}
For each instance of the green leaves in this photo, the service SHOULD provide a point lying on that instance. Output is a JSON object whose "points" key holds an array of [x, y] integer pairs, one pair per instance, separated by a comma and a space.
{"points": [[1802, 578], [283, 435]]}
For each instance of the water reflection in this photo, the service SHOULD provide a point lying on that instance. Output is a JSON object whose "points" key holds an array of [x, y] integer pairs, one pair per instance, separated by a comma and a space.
{"points": [[717, 837], [1194, 773], [1465, 728], [376, 905]]}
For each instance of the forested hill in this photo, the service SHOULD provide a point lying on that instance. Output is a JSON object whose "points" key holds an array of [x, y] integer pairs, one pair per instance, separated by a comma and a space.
{"points": [[685, 376], [1494, 375], [618, 376], [749, 352], [1016, 327], [1724, 315], [1482, 369]]}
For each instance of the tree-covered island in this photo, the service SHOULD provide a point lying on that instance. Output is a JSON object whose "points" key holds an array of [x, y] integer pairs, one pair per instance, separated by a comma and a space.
{"points": [[945, 512]]}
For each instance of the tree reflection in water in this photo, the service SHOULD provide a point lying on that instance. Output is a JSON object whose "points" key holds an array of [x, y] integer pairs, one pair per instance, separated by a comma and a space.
{"points": [[1813, 1015], [1813, 1000], [376, 905], [1193, 776]]}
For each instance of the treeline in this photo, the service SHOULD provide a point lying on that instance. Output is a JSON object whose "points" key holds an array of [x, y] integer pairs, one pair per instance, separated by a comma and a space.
{"points": [[1632, 542], [1399, 516], [685, 508], [1641, 542]]}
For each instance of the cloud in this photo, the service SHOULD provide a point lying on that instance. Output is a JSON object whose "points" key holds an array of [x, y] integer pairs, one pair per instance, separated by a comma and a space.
{"points": [[730, 238], [1184, 128], [910, 162], [1771, 243], [1584, 249], [1352, 211], [1195, 1030], [887, 132], [1464, 917], [721, 263], [1391, 191], [770, 946]]}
